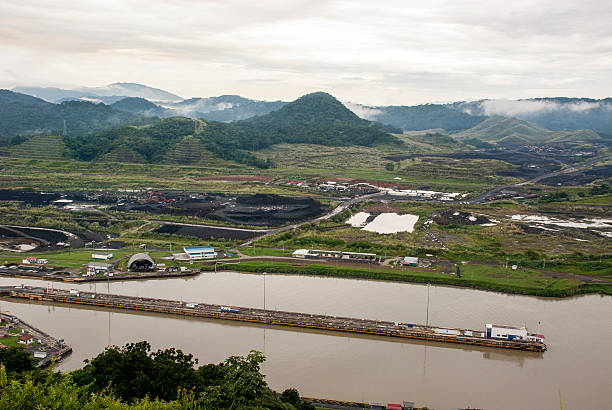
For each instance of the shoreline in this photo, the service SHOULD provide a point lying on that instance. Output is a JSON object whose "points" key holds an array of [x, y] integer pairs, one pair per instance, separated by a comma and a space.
{"points": [[289, 266], [418, 277], [59, 350]]}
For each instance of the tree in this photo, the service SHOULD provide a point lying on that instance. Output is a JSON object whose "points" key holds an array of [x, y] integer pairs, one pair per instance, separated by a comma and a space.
{"points": [[240, 384], [131, 377], [292, 396], [134, 373], [390, 166], [16, 359]]}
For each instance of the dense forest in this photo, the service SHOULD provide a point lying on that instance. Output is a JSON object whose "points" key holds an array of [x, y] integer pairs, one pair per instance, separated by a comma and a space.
{"points": [[135, 377], [22, 114], [426, 117], [313, 119]]}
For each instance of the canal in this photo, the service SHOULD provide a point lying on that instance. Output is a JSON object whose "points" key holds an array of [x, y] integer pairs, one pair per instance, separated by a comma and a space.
{"points": [[577, 368]]}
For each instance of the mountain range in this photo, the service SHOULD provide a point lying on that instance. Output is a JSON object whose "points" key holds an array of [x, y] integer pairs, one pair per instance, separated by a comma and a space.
{"points": [[230, 127], [556, 114], [316, 118], [107, 94]]}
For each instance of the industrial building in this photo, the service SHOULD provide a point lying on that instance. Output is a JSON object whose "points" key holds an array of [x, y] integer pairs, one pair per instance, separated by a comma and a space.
{"points": [[345, 256], [200, 252], [410, 261], [94, 268], [102, 256]]}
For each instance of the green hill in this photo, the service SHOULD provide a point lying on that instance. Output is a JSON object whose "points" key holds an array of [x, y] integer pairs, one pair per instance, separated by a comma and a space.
{"points": [[24, 115], [123, 154], [316, 118], [511, 131], [425, 117], [140, 106], [313, 119], [190, 151], [49, 147]]}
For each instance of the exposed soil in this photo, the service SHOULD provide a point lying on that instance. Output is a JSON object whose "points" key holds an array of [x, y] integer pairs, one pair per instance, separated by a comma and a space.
{"points": [[580, 177], [258, 209], [206, 232], [529, 165], [34, 198]]}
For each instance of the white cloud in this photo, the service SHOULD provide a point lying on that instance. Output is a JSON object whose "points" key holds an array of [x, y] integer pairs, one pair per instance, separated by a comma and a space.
{"points": [[518, 108], [362, 111], [384, 52]]}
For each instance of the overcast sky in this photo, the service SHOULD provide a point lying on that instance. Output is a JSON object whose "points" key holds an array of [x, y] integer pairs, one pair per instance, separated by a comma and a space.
{"points": [[372, 52]]}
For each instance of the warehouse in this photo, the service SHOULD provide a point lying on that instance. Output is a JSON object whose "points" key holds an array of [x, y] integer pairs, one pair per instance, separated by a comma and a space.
{"points": [[102, 256], [95, 268], [200, 252], [346, 256]]}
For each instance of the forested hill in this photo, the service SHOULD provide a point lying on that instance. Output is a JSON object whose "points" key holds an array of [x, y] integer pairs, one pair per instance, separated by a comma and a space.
{"points": [[315, 119], [137, 105], [426, 117], [22, 114]]}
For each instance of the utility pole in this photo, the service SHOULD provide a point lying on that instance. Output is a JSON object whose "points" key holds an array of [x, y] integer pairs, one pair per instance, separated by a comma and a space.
{"points": [[427, 322], [264, 292]]}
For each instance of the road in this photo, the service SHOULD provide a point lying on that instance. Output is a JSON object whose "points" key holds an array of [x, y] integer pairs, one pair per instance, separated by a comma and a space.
{"points": [[482, 197], [340, 208]]}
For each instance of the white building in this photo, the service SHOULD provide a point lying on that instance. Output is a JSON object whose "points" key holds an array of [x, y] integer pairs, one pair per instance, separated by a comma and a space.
{"points": [[325, 254], [102, 256], [200, 252], [99, 267]]}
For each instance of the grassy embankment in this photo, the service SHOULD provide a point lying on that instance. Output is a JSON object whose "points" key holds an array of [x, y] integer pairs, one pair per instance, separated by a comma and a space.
{"points": [[522, 281]]}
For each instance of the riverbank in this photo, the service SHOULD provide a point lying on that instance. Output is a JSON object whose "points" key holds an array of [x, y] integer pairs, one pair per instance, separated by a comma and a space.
{"points": [[522, 281], [117, 276], [36, 342]]}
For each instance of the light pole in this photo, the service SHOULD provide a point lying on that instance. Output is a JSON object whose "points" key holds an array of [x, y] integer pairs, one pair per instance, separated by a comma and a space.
{"points": [[264, 292], [427, 322]]}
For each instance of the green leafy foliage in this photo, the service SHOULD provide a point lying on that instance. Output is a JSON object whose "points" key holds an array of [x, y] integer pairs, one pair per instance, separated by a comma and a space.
{"points": [[602, 189], [316, 118], [16, 359], [134, 374]]}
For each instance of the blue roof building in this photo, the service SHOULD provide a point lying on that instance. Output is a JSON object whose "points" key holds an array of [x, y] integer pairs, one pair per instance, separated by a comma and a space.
{"points": [[200, 252]]}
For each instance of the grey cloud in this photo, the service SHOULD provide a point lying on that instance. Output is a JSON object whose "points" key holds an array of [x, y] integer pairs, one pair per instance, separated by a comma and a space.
{"points": [[410, 52]]}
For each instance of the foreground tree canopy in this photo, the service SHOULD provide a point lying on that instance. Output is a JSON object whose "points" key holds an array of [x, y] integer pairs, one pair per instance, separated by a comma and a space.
{"points": [[134, 377]]}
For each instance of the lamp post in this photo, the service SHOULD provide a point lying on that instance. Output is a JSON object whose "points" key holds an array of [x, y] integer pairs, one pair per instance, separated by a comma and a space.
{"points": [[264, 290], [427, 322]]}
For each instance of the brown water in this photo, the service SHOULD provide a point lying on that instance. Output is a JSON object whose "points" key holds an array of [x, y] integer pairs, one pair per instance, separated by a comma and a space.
{"points": [[577, 367]]}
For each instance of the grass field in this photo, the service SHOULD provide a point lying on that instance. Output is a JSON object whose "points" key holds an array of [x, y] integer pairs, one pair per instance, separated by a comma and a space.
{"points": [[257, 251], [10, 341]]}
